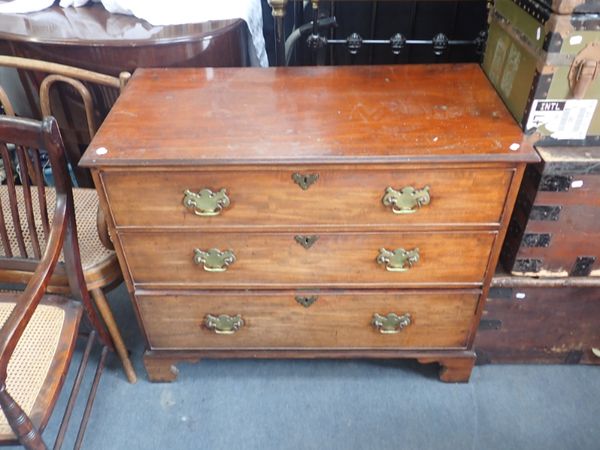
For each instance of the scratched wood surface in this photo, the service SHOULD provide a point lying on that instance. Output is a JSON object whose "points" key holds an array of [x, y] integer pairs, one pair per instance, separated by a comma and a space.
{"points": [[547, 324], [361, 129], [334, 320], [460, 196], [568, 182], [308, 114], [335, 259]]}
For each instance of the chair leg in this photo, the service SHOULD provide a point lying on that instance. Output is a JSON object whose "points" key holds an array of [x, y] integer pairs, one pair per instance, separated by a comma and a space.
{"points": [[109, 320]]}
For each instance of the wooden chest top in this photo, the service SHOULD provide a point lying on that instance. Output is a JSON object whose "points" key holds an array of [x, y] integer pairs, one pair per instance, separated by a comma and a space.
{"points": [[364, 114]]}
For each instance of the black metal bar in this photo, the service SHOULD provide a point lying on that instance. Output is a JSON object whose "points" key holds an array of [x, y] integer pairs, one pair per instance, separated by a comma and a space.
{"points": [[413, 25], [331, 31], [91, 398], [408, 41], [279, 41], [74, 392], [372, 30], [315, 21]]}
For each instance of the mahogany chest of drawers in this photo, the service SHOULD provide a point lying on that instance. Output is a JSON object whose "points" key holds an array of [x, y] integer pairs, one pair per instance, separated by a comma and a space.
{"points": [[309, 212]]}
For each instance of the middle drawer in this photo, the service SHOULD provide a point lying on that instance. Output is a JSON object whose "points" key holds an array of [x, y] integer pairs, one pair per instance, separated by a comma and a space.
{"points": [[217, 259]]}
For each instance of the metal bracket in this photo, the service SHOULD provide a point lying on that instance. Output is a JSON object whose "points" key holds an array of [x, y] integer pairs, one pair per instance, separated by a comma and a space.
{"points": [[545, 213], [536, 240], [528, 265], [583, 266], [556, 183]]}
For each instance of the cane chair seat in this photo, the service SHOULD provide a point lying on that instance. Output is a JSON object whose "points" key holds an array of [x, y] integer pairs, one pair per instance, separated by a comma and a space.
{"points": [[43, 351], [99, 263], [101, 269]]}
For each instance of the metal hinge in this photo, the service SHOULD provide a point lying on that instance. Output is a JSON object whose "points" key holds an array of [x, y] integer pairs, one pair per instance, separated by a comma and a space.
{"points": [[535, 240], [555, 183], [528, 265], [490, 324], [583, 266], [547, 213]]}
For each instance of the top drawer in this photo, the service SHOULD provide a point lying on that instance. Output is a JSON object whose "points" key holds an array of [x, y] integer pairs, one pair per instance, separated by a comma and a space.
{"points": [[283, 197]]}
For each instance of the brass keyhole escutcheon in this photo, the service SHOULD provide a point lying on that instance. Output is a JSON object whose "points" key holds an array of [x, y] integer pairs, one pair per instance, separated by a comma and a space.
{"points": [[306, 241], [305, 180], [306, 300]]}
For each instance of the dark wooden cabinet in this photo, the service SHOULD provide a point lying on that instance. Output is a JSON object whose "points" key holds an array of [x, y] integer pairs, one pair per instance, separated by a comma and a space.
{"points": [[543, 320], [554, 229], [309, 212]]}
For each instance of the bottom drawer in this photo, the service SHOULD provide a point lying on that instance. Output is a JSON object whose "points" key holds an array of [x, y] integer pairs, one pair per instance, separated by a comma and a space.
{"points": [[277, 320]]}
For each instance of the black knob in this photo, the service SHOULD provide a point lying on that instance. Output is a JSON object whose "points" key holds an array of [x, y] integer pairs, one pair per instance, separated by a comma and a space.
{"points": [[354, 43], [440, 44], [398, 42]]}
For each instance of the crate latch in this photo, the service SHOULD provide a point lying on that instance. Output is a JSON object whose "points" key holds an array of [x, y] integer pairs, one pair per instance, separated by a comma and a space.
{"points": [[584, 70]]}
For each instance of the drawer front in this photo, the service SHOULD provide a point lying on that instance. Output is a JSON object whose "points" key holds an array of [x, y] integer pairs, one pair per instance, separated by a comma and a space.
{"points": [[277, 259], [333, 320], [336, 197]]}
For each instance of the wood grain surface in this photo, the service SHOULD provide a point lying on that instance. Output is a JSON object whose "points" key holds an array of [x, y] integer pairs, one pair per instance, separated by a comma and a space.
{"points": [[276, 259], [335, 320], [551, 325], [567, 182], [460, 196], [360, 129], [308, 114]]}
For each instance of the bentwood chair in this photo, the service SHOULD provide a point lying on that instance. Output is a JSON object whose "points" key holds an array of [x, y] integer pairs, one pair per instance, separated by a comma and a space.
{"points": [[100, 265], [38, 234]]}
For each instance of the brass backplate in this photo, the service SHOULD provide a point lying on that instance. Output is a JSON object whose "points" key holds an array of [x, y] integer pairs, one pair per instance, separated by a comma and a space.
{"points": [[206, 202], [391, 323], [399, 260], [223, 324], [407, 200], [214, 260]]}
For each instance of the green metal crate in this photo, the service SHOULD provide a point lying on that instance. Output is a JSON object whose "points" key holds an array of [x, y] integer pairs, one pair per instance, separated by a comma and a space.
{"points": [[546, 68]]}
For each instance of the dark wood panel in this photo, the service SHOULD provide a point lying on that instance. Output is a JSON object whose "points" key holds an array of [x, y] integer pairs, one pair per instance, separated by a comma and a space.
{"points": [[555, 222], [365, 114], [276, 320], [92, 38], [458, 196], [276, 259], [540, 325]]}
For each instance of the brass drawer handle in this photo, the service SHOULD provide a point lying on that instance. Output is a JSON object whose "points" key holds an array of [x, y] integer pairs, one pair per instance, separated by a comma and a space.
{"points": [[390, 324], [406, 201], [214, 260], [206, 202], [399, 260], [223, 324]]}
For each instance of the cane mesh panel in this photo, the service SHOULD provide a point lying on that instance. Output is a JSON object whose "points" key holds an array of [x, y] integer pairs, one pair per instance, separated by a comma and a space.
{"points": [[32, 358], [86, 208]]}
